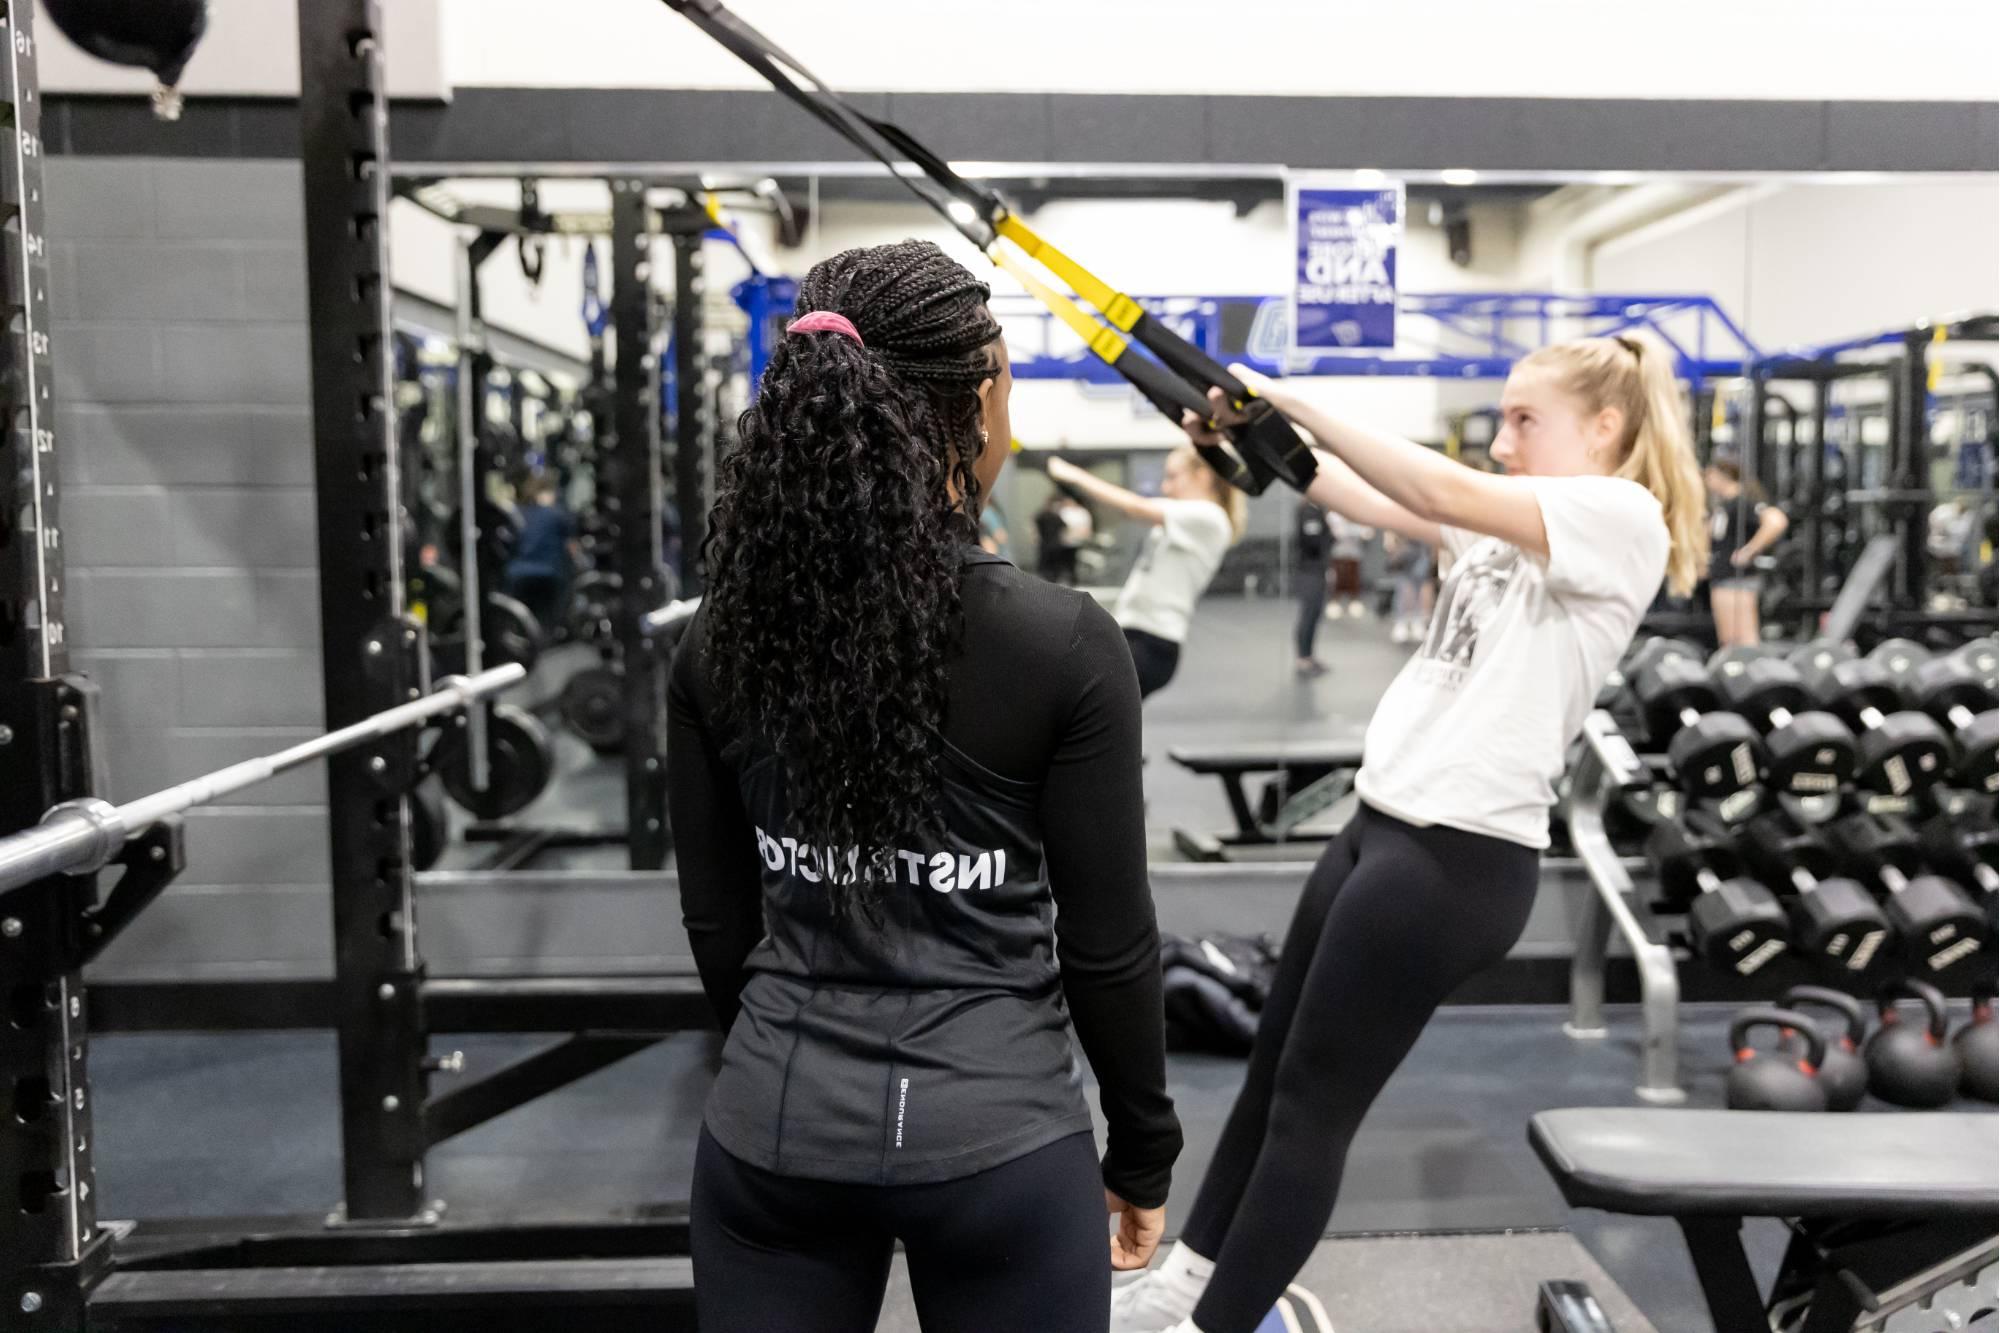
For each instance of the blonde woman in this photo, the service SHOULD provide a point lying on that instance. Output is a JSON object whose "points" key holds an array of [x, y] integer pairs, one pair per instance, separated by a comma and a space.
{"points": [[1431, 881], [1196, 518]]}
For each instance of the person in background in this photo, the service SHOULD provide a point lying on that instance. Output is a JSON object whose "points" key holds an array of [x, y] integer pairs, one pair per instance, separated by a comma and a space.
{"points": [[545, 555], [905, 790], [1742, 526], [1350, 540], [1432, 879], [1196, 518], [1410, 581], [1310, 549], [1055, 558]]}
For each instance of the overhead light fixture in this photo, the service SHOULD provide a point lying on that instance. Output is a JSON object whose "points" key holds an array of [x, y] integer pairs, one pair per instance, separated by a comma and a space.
{"points": [[1459, 176]]}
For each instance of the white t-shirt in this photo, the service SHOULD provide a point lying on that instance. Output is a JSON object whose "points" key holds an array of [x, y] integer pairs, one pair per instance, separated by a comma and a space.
{"points": [[1472, 733], [1175, 565]]}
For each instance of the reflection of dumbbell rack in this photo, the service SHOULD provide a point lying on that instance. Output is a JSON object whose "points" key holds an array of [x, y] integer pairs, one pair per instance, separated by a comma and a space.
{"points": [[1615, 799]]}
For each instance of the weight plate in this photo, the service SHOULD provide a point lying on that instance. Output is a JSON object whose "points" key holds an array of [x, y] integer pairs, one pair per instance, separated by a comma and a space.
{"points": [[436, 597], [593, 704], [519, 764], [512, 633]]}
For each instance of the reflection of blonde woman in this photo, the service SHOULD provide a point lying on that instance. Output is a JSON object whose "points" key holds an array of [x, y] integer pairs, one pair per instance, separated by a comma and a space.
{"points": [[1196, 518], [1734, 584], [1432, 879]]}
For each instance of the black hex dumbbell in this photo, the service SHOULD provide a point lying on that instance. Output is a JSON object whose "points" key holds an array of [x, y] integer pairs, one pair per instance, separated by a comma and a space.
{"points": [[1942, 933], [1806, 751], [1954, 691], [1836, 923], [1965, 844], [1713, 753], [1734, 923], [1897, 752]]}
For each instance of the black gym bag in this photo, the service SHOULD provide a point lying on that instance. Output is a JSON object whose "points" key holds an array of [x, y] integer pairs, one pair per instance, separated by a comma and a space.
{"points": [[1215, 989]]}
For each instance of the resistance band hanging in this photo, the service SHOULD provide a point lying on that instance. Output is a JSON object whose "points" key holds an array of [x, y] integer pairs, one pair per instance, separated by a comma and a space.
{"points": [[1262, 448]]}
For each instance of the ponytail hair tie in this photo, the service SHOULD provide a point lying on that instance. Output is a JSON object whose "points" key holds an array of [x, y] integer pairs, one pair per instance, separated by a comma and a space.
{"points": [[825, 321]]}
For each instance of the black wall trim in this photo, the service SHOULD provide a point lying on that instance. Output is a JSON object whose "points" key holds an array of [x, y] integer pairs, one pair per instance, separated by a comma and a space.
{"points": [[1419, 133]]}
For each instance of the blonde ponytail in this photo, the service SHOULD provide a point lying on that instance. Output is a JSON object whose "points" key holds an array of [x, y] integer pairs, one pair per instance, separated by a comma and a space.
{"points": [[1634, 372], [1234, 503]]}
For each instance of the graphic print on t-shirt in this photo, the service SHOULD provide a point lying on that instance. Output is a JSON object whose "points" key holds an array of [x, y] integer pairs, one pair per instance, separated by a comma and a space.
{"points": [[1471, 596]]}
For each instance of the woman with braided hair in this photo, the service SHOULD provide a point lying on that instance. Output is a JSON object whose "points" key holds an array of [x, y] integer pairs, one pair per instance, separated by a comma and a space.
{"points": [[892, 758]]}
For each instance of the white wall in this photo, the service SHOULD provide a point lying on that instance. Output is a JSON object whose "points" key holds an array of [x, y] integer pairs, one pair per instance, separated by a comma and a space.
{"points": [[251, 49], [1801, 264], [1919, 49], [1793, 263], [1175, 248]]}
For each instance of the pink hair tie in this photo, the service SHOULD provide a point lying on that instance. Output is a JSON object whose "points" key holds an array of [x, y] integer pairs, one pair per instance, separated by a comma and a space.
{"points": [[825, 321]]}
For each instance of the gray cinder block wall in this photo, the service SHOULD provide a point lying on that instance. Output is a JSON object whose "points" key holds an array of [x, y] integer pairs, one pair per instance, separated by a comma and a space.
{"points": [[178, 291]]}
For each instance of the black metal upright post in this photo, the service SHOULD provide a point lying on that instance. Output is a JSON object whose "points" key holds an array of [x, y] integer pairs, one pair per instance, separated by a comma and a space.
{"points": [[51, 1251], [1816, 515], [632, 503], [373, 653], [1908, 475], [694, 414]]}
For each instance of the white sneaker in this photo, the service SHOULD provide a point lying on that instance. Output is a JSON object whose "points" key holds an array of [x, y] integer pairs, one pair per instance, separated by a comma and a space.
{"points": [[1148, 1304]]}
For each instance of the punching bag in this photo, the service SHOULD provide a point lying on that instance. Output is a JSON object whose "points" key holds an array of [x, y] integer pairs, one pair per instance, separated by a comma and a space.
{"points": [[159, 35]]}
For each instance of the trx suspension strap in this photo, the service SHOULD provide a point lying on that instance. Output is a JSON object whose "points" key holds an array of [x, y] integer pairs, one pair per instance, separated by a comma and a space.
{"points": [[1263, 448]]}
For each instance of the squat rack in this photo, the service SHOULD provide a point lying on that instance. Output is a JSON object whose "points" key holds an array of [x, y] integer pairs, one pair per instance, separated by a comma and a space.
{"points": [[630, 480], [60, 1269], [1904, 365]]}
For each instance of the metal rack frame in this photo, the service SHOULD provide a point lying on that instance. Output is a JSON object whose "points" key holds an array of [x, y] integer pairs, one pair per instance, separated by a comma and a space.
{"points": [[1607, 763], [52, 1250], [58, 1265]]}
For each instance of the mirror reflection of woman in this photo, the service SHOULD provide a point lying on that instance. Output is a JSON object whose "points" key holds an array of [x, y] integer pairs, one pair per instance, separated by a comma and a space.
{"points": [[1195, 519], [1743, 525]]}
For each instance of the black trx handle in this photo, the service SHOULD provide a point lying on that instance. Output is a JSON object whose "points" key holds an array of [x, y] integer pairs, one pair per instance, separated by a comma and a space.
{"points": [[1263, 448]]}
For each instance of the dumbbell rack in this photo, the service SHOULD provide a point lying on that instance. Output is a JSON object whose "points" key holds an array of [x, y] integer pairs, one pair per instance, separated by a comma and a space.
{"points": [[1606, 764]]}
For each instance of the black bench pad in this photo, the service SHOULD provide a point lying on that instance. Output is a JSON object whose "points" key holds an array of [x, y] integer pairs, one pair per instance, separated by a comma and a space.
{"points": [[1674, 1163]]}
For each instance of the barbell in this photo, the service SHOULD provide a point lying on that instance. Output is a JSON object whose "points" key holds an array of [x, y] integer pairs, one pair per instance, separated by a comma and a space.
{"points": [[81, 836]]}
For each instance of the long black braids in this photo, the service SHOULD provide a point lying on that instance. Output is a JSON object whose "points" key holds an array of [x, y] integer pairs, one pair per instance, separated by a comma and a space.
{"points": [[833, 553]]}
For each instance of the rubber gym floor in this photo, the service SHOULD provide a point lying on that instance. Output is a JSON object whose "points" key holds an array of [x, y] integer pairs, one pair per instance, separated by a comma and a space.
{"points": [[1446, 1221]]}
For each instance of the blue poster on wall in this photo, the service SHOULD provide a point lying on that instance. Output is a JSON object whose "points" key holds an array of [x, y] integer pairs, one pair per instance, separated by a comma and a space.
{"points": [[1343, 288]]}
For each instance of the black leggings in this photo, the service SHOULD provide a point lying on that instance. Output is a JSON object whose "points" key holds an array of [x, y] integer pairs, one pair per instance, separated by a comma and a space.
{"points": [[1155, 657], [1021, 1246], [1392, 920]]}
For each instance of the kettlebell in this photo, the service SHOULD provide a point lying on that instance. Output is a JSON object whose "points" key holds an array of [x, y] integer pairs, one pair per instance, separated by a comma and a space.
{"points": [[1777, 1080], [1911, 1064], [1842, 1073], [1978, 1047]]}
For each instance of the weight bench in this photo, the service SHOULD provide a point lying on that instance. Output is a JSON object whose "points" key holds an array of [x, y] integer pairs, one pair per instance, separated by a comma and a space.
{"points": [[1307, 778], [1887, 1211]]}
